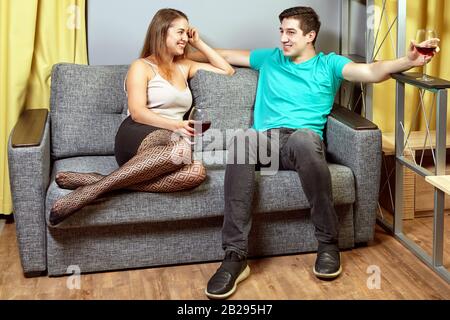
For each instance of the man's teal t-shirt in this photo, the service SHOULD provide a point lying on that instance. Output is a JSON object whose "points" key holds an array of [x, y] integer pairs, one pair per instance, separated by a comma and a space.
{"points": [[295, 96]]}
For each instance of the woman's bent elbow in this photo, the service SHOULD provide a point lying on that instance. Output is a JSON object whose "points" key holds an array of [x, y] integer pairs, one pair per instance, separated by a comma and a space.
{"points": [[134, 116]]}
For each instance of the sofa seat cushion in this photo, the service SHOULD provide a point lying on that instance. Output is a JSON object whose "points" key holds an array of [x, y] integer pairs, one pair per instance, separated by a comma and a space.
{"points": [[280, 192]]}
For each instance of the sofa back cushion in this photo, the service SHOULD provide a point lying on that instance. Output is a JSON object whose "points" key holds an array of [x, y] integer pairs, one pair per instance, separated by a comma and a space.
{"points": [[87, 105], [229, 102]]}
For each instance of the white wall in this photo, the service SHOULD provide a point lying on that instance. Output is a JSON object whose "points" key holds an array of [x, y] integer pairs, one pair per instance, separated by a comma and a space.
{"points": [[116, 28]]}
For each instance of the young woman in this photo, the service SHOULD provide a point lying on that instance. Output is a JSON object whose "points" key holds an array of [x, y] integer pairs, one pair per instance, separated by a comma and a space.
{"points": [[151, 157]]}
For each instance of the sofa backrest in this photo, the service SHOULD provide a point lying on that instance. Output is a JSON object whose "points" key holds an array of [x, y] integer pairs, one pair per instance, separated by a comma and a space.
{"points": [[229, 102], [88, 104]]}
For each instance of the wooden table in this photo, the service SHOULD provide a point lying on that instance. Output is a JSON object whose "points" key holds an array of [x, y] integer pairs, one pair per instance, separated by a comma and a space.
{"points": [[440, 182]]}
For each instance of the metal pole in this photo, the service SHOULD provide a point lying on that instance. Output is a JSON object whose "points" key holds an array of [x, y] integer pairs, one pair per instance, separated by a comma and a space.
{"points": [[370, 39], [344, 43], [439, 195], [401, 28], [399, 146]]}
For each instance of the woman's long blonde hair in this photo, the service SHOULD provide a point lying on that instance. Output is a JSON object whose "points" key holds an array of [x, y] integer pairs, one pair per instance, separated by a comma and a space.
{"points": [[155, 40]]}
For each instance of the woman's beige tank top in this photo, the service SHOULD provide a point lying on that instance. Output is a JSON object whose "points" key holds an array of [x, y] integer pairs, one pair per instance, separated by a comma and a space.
{"points": [[165, 99]]}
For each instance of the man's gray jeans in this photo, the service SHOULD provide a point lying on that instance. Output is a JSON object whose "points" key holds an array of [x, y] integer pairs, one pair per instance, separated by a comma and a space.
{"points": [[301, 150]]}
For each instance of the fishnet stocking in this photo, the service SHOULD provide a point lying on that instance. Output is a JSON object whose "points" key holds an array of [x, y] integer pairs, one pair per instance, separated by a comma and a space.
{"points": [[187, 177], [152, 161], [159, 137], [72, 180]]}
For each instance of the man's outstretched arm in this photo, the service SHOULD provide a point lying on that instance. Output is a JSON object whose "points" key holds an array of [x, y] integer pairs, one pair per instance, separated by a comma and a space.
{"points": [[381, 70], [240, 58]]}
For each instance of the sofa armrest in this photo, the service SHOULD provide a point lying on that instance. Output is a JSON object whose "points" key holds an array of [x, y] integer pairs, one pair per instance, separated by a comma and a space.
{"points": [[352, 119], [360, 150], [29, 173]]}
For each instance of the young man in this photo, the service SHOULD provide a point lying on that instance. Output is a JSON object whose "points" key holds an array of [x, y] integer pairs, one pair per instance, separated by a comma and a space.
{"points": [[296, 90]]}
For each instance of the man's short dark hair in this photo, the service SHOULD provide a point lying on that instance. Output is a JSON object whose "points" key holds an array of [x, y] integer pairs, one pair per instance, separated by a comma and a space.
{"points": [[307, 18]]}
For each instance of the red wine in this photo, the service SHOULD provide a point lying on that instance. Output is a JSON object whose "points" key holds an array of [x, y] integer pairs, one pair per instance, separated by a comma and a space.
{"points": [[427, 51], [205, 125]]}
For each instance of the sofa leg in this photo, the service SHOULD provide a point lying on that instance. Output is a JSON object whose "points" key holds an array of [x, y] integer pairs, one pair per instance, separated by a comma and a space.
{"points": [[361, 244], [34, 274]]}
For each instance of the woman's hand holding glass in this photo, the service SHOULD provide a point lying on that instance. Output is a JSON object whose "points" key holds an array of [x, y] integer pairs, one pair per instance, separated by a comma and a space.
{"points": [[185, 130]]}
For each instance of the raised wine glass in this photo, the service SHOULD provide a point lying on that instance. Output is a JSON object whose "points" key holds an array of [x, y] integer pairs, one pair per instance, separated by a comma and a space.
{"points": [[201, 120], [425, 49]]}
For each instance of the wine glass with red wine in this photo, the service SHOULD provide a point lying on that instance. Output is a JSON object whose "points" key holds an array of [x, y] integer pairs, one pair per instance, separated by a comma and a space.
{"points": [[425, 49], [201, 121]]}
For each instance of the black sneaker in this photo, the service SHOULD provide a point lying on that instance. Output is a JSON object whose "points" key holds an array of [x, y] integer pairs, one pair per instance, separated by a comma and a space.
{"points": [[233, 270], [328, 262]]}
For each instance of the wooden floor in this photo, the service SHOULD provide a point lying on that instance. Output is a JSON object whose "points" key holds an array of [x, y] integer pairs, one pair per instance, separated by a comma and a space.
{"points": [[420, 230], [402, 276]]}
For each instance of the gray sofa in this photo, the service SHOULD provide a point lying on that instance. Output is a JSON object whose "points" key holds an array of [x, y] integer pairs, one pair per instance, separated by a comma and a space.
{"points": [[127, 229]]}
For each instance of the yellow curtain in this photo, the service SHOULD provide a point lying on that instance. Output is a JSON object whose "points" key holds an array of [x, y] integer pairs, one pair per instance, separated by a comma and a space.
{"points": [[423, 14], [34, 35]]}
